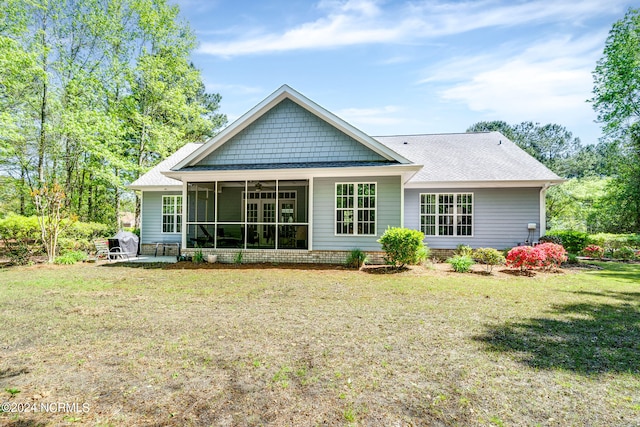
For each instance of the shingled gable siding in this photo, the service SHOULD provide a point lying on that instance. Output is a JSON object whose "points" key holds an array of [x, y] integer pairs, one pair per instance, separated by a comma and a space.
{"points": [[500, 216], [151, 230], [287, 134], [388, 199]]}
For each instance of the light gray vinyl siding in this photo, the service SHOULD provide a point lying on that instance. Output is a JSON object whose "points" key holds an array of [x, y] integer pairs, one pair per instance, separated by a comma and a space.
{"points": [[288, 134], [151, 230], [388, 199], [500, 217]]}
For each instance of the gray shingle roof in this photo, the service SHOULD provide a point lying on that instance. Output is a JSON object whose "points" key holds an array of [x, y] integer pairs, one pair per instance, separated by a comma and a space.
{"points": [[155, 177], [482, 156], [455, 157]]}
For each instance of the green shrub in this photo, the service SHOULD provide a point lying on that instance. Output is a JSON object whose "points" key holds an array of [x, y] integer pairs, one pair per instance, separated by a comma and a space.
{"points": [[464, 250], [573, 241], [79, 236], [625, 253], [20, 237], [610, 242], [489, 257], [403, 246], [71, 258], [133, 230], [356, 258], [460, 263], [550, 239], [65, 260], [572, 259], [198, 257], [19, 228]]}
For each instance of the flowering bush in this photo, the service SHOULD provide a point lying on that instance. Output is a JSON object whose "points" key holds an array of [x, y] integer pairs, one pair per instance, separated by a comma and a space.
{"points": [[525, 257], [553, 255], [546, 255], [593, 251]]}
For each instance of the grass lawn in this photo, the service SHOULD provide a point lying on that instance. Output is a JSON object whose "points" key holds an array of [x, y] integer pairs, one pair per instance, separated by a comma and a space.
{"points": [[283, 347]]}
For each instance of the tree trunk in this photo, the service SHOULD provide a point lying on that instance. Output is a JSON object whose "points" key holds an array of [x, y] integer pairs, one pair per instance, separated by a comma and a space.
{"points": [[117, 203], [138, 211], [21, 191], [43, 106]]}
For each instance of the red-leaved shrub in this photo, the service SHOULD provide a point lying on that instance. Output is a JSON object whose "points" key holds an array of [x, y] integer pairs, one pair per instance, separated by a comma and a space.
{"points": [[594, 251], [554, 255], [524, 258], [546, 255]]}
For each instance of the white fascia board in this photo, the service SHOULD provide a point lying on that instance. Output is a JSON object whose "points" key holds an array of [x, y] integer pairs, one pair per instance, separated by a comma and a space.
{"points": [[285, 92], [483, 184], [264, 174]]}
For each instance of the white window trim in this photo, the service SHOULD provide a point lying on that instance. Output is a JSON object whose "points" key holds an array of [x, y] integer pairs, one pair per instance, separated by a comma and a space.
{"points": [[455, 214], [355, 209], [175, 214]]}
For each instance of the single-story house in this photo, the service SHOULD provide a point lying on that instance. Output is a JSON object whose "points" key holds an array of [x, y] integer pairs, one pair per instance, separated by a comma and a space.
{"points": [[291, 181]]}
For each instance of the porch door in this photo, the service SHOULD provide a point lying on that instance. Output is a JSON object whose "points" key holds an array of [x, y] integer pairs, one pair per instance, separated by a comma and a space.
{"points": [[268, 215], [261, 211]]}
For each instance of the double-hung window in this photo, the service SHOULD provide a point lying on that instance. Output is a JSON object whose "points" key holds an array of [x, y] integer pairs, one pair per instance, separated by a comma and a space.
{"points": [[171, 214], [446, 214], [356, 208]]}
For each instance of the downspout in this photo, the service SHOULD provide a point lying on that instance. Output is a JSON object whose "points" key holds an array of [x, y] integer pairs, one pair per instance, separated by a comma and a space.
{"points": [[543, 209]]}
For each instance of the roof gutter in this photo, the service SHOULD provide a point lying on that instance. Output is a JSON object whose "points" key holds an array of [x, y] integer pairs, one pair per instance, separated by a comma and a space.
{"points": [[485, 184]]}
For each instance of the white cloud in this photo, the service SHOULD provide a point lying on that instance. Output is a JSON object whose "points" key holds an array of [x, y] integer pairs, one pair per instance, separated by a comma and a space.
{"points": [[549, 81], [356, 22], [382, 116]]}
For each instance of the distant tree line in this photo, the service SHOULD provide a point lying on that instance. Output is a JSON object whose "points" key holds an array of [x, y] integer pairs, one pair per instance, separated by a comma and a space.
{"points": [[92, 94], [557, 148]]}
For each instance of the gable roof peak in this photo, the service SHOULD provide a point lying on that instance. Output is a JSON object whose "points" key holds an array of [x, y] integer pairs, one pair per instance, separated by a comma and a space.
{"points": [[287, 92]]}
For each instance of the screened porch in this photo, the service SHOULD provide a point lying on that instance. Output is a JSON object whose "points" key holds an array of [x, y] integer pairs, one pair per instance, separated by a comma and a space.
{"points": [[248, 214]]}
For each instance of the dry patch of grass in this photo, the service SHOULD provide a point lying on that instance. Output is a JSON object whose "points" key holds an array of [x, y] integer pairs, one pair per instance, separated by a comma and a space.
{"points": [[283, 346]]}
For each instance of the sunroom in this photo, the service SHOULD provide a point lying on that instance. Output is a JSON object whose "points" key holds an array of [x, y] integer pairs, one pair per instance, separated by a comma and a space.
{"points": [[249, 214]]}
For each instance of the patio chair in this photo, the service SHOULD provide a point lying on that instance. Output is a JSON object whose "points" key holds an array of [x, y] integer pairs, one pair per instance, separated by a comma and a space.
{"points": [[102, 248]]}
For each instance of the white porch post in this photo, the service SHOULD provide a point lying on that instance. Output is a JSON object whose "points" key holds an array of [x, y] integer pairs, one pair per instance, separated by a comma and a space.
{"points": [[184, 215]]}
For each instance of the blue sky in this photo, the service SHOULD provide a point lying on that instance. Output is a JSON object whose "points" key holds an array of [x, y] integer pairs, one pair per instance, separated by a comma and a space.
{"points": [[395, 67]]}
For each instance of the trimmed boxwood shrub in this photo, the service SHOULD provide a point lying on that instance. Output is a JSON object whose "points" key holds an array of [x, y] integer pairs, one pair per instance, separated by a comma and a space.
{"points": [[403, 246], [572, 240]]}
